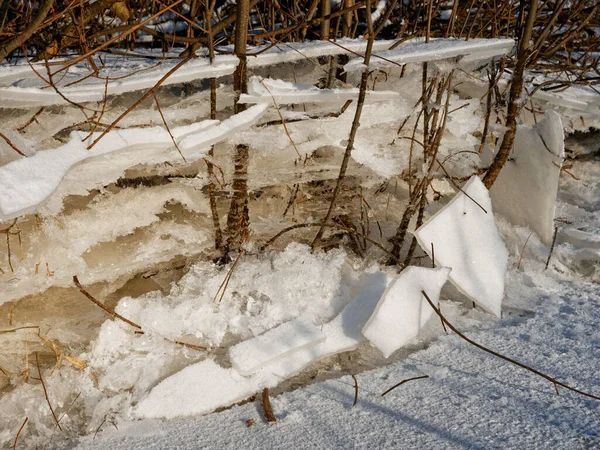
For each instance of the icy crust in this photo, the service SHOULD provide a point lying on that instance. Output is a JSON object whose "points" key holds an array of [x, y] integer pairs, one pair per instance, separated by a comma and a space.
{"points": [[206, 386], [465, 238], [249, 356], [281, 92], [417, 50], [199, 68], [403, 309], [26, 183], [526, 189]]}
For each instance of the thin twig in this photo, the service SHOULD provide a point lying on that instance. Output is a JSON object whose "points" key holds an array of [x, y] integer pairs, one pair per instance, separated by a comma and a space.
{"points": [[355, 391], [266, 403], [104, 308], [551, 247], [19, 432], [404, 381], [37, 360]]}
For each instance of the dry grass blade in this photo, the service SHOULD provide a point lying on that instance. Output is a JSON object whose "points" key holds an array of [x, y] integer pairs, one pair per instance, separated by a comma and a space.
{"points": [[404, 381], [19, 432], [554, 381], [97, 303], [37, 361]]}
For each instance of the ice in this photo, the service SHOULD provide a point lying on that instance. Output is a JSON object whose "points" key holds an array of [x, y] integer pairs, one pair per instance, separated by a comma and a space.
{"points": [[249, 356], [199, 68], [525, 191], [417, 50], [26, 183], [281, 92], [465, 238], [205, 386], [403, 309]]}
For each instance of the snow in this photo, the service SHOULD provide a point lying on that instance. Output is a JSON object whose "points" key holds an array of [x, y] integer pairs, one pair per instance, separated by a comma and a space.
{"points": [[465, 238], [534, 169], [417, 50], [267, 90], [171, 398], [403, 309], [249, 356], [27, 182]]}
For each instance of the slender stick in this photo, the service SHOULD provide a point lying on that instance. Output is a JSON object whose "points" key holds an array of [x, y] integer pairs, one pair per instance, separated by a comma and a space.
{"points": [[104, 308], [19, 432], [404, 381], [37, 360]]}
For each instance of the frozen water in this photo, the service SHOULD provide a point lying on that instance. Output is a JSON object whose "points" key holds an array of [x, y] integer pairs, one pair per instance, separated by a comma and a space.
{"points": [[525, 191], [206, 386], [417, 50], [465, 238], [27, 182], [403, 310], [249, 356], [281, 92]]}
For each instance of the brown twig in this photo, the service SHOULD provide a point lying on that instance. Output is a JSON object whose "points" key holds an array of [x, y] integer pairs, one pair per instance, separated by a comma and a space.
{"points": [[551, 247], [266, 403], [13, 146], [355, 391], [104, 308], [404, 381], [19, 432], [37, 360]]}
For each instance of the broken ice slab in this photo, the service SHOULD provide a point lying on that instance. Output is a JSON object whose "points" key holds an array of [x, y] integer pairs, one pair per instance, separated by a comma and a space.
{"points": [[465, 238], [249, 356], [94, 89], [403, 309], [267, 90], [27, 182], [525, 191], [417, 50], [205, 386]]}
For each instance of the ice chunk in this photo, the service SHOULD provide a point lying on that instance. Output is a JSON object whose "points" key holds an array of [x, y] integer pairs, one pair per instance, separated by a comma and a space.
{"points": [[93, 89], [417, 50], [465, 238], [205, 386], [27, 182], [403, 309], [248, 356], [281, 92], [525, 191]]}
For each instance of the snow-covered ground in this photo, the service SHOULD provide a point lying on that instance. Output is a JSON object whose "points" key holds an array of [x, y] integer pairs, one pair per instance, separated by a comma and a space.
{"points": [[135, 226]]}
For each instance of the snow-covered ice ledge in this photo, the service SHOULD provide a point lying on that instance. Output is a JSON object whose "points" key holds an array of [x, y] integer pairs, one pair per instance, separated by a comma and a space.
{"points": [[28, 182]]}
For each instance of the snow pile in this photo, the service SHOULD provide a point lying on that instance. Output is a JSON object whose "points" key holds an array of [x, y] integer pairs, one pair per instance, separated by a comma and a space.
{"points": [[525, 191], [267, 90], [403, 309], [206, 386], [26, 183], [463, 236]]}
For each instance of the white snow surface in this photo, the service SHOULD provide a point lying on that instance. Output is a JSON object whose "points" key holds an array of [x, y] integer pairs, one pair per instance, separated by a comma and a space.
{"points": [[27, 182], [279, 92], [249, 356], [526, 189], [465, 238], [403, 309], [471, 400], [417, 50]]}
